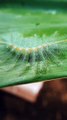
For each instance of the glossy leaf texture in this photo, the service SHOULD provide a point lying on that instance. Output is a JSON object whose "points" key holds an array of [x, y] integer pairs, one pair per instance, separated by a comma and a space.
{"points": [[33, 45]]}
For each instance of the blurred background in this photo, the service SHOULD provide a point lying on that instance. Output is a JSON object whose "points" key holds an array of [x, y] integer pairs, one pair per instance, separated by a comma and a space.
{"points": [[50, 102], [38, 3]]}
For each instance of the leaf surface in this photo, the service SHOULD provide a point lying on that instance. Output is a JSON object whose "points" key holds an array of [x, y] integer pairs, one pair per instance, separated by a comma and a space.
{"points": [[33, 45]]}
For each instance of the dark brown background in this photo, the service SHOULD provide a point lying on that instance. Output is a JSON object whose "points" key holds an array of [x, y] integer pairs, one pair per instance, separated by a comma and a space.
{"points": [[51, 104]]}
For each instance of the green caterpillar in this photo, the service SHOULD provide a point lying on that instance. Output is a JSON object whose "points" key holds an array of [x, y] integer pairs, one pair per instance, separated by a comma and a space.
{"points": [[31, 49]]}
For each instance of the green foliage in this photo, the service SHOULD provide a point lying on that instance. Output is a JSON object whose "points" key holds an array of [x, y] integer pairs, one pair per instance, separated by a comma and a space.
{"points": [[38, 3], [33, 45]]}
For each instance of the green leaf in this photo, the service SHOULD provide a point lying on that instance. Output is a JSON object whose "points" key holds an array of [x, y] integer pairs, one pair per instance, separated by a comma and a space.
{"points": [[33, 44]]}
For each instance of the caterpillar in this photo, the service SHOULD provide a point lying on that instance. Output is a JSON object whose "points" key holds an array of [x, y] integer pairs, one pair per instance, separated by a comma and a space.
{"points": [[30, 55], [22, 56]]}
